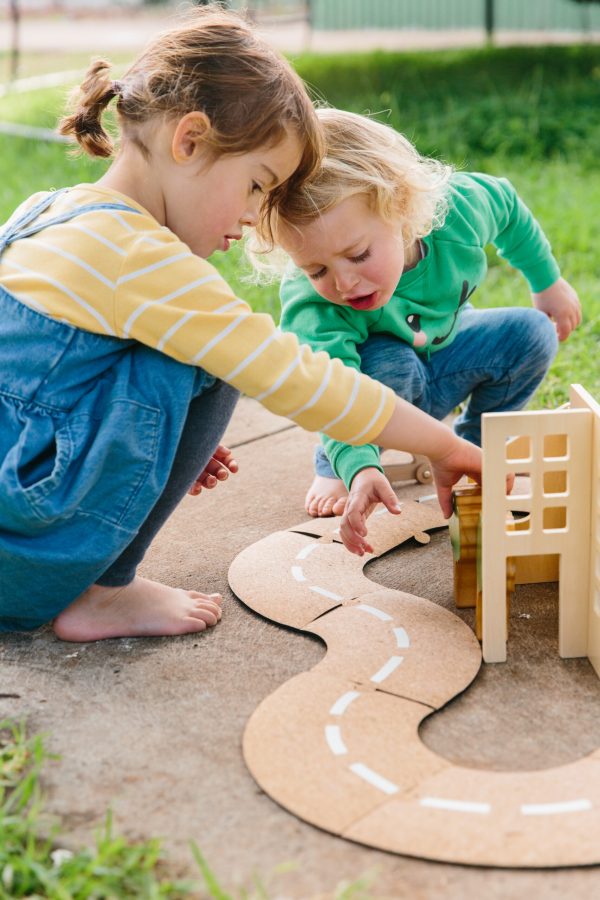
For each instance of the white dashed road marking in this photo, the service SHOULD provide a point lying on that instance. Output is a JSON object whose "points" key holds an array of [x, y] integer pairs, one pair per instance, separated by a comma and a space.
{"points": [[455, 805], [378, 781], [390, 666]]}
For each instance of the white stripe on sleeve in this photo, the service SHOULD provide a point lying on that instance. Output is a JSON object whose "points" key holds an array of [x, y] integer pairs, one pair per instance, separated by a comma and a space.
{"points": [[74, 259], [175, 327], [218, 338], [348, 405], [251, 357], [65, 290], [315, 397], [283, 377], [372, 421], [97, 237], [185, 289], [154, 267], [113, 213]]}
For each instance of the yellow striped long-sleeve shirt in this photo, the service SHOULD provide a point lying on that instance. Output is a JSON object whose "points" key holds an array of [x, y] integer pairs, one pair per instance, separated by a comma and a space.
{"points": [[122, 274]]}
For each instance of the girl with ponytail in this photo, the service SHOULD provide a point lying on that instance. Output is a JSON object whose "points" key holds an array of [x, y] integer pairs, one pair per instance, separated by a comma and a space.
{"points": [[122, 350]]}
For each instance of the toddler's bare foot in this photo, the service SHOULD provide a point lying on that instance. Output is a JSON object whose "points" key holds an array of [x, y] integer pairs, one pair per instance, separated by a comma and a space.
{"points": [[142, 608], [326, 497]]}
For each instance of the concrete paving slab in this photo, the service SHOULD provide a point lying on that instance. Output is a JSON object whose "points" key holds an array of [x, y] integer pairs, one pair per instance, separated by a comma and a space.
{"points": [[153, 727]]}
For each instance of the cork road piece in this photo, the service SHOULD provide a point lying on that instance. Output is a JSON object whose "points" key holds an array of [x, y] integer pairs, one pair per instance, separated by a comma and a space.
{"points": [[339, 746]]}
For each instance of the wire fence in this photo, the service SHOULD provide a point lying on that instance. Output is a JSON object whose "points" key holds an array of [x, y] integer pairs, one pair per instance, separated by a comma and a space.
{"points": [[533, 15]]}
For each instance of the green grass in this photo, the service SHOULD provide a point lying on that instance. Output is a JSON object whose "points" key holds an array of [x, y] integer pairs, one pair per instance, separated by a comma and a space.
{"points": [[35, 864], [527, 113]]}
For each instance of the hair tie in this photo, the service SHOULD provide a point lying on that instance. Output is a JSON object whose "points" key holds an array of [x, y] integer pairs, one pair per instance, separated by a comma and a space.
{"points": [[117, 88]]}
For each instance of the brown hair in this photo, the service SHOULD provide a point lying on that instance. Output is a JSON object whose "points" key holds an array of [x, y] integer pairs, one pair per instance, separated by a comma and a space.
{"points": [[212, 62]]}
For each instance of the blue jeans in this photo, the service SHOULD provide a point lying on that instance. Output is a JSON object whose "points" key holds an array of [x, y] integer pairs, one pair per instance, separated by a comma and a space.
{"points": [[495, 363]]}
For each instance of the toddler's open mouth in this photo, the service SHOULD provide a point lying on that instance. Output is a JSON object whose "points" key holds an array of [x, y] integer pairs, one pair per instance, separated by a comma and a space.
{"points": [[364, 302]]}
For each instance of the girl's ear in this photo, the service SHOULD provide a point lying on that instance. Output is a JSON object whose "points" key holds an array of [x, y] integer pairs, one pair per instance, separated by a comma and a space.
{"points": [[189, 137]]}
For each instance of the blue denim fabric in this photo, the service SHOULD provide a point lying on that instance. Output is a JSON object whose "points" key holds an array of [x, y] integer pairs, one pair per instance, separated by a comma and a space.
{"points": [[90, 426], [495, 363]]}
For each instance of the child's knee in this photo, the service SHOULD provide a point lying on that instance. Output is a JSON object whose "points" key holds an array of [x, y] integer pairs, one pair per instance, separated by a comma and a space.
{"points": [[543, 340], [393, 362], [534, 338]]}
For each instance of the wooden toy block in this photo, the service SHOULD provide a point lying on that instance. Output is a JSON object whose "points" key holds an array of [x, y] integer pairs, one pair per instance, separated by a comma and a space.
{"points": [[465, 535], [464, 528]]}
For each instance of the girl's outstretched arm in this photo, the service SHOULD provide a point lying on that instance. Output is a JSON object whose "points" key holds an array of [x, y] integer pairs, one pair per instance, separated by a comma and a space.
{"points": [[414, 431]]}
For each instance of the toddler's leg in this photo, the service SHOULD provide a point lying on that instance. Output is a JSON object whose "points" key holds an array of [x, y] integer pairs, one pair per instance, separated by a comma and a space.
{"points": [[396, 364], [498, 359], [122, 604]]}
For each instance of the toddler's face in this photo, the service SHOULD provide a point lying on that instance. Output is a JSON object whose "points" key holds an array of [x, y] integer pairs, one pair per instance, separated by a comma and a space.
{"points": [[351, 256]]}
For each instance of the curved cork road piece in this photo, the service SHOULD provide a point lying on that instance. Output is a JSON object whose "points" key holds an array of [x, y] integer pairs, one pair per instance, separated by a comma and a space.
{"points": [[339, 746]]}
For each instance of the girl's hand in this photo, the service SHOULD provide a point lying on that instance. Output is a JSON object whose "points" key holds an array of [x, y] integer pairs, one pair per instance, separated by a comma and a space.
{"points": [[369, 487], [217, 469], [561, 303], [463, 459]]}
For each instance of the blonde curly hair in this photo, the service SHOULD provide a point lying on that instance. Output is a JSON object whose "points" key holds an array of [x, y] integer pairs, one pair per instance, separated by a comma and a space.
{"points": [[363, 157]]}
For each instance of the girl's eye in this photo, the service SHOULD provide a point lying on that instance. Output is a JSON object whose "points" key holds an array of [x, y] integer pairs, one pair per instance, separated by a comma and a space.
{"points": [[314, 276], [361, 257], [256, 187]]}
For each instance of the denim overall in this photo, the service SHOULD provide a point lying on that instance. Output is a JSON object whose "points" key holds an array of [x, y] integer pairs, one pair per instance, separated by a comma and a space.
{"points": [[89, 429]]}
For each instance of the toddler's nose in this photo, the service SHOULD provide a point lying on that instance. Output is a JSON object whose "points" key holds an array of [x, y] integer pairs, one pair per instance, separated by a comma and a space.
{"points": [[346, 282]]}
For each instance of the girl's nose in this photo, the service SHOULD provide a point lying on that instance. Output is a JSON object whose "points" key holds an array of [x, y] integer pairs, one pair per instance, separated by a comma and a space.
{"points": [[250, 216]]}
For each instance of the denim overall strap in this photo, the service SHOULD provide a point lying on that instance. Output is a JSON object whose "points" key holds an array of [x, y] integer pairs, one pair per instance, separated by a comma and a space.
{"points": [[19, 228]]}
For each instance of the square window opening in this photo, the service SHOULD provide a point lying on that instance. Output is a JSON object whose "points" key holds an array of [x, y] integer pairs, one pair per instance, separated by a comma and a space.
{"points": [[555, 482], [518, 449], [521, 490], [518, 521], [554, 518], [556, 446]]}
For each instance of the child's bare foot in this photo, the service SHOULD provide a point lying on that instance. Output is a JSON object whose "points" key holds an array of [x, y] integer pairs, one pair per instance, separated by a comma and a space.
{"points": [[142, 608], [326, 497]]}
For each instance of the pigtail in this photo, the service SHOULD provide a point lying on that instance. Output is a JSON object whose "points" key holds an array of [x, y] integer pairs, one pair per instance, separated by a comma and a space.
{"points": [[89, 101]]}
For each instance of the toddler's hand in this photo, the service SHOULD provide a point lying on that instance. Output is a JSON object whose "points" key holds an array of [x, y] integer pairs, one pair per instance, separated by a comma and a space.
{"points": [[561, 303], [217, 469], [369, 487]]}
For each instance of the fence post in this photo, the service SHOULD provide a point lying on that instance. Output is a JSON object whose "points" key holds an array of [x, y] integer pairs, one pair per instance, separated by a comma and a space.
{"points": [[15, 15], [489, 20], [309, 23]]}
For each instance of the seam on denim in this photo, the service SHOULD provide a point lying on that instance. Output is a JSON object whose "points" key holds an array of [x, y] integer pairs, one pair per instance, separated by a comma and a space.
{"points": [[144, 475], [87, 514], [33, 405]]}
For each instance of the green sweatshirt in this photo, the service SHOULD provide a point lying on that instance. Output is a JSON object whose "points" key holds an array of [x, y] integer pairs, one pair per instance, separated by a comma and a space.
{"points": [[424, 308]]}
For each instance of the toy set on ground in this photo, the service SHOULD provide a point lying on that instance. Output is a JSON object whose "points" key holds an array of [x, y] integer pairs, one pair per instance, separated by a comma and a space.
{"points": [[339, 745]]}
